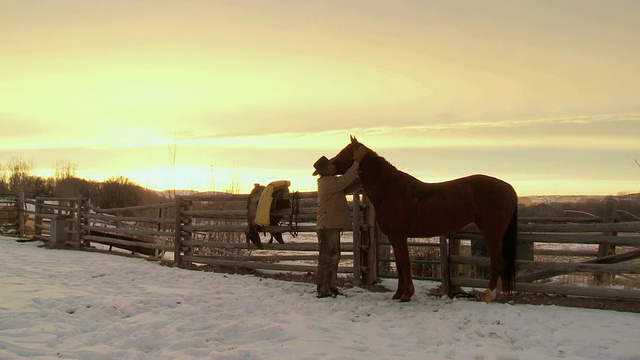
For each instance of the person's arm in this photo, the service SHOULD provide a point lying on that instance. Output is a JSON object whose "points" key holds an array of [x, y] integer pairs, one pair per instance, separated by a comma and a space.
{"points": [[353, 186], [339, 183]]}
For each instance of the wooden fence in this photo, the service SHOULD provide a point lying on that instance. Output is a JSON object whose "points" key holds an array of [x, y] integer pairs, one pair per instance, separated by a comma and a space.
{"points": [[209, 229], [11, 214], [196, 229], [598, 251]]}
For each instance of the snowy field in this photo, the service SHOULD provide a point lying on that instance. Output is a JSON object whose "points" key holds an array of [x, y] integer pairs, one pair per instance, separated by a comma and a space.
{"points": [[59, 304]]}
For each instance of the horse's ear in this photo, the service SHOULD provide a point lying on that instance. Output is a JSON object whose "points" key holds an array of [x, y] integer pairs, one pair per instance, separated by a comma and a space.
{"points": [[353, 139]]}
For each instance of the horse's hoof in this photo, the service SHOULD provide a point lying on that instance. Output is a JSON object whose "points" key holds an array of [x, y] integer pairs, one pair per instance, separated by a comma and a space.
{"points": [[489, 296], [396, 296], [405, 299]]}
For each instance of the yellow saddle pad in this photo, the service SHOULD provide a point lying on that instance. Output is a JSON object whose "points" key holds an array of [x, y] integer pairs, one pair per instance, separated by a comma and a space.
{"points": [[264, 204]]}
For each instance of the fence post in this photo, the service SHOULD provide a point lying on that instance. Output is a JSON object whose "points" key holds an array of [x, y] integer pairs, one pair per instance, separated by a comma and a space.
{"points": [[609, 217], [37, 223], [371, 246], [178, 228], [453, 269], [357, 273], [445, 274], [85, 220], [603, 249], [159, 228], [21, 214], [78, 222]]}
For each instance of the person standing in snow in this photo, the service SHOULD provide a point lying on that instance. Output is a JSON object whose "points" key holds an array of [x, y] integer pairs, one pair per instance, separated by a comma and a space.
{"points": [[333, 217]]}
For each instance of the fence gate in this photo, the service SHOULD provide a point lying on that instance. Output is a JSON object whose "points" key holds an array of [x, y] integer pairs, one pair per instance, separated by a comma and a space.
{"points": [[10, 214]]}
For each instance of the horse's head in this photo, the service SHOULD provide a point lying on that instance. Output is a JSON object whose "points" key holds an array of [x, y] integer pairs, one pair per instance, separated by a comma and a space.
{"points": [[344, 159]]}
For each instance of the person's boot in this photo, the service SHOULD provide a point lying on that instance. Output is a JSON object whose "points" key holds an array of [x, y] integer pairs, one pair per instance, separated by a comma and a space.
{"points": [[336, 292], [326, 295]]}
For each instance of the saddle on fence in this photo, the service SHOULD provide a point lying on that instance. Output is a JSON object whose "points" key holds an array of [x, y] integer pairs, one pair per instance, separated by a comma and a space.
{"points": [[262, 201]]}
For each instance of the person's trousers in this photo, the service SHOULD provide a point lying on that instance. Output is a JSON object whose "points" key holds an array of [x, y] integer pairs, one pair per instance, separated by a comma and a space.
{"points": [[327, 272]]}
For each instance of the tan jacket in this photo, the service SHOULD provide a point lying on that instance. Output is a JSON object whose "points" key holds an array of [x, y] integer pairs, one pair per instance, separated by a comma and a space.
{"points": [[333, 211]]}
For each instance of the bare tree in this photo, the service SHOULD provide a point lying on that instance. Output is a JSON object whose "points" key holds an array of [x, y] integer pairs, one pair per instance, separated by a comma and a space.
{"points": [[65, 170], [20, 170], [4, 179], [119, 192]]}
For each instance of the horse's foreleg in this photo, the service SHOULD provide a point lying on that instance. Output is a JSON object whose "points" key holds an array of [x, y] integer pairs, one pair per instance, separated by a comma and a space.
{"points": [[400, 289], [405, 283]]}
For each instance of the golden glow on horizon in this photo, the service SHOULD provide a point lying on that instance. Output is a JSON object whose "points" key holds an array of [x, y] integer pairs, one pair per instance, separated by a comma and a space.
{"points": [[225, 179]]}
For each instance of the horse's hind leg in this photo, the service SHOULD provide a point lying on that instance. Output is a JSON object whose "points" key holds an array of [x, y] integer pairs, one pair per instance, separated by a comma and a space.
{"points": [[495, 255], [405, 283]]}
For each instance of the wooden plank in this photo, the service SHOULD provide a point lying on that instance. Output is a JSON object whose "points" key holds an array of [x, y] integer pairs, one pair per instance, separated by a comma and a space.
{"points": [[590, 267], [55, 198], [121, 230], [132, 208], [242, 214], [566, 253], [630, 255], [595, 227], [259, 265], [559, 219], [563, 238], [594, 292], [135, 246], [631, 226], [112, 218], [310, 246], [295, 257], [58, 207], [241, 228]]}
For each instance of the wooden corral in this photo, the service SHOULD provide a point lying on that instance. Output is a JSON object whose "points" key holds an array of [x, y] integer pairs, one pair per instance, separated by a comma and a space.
{"points": [[195, 229], [209, 230], [213, 233]]}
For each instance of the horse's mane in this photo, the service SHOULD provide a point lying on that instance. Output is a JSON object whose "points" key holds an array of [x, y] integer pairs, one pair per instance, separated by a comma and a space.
{"points": [[382, 166]]}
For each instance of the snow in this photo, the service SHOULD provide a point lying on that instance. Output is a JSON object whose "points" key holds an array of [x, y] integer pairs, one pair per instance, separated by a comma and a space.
{"points": [[77, 305]]}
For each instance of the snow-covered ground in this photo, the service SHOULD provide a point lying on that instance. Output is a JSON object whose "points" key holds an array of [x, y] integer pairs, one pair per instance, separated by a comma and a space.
{"points": [[77, 305]]}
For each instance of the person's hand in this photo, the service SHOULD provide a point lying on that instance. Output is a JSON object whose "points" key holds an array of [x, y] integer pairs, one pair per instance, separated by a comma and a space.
{"points": [[359, 153]]}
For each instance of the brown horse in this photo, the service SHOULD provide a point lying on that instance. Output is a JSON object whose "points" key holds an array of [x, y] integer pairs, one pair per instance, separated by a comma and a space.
{"points": [[407, 207]]}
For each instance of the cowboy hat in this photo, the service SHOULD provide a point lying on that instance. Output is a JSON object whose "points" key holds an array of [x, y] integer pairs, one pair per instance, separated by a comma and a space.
{"points": [[320, 164]]}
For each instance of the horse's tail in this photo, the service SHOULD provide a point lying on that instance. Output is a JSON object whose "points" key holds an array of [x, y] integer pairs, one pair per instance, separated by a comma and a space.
{"points": [[509, 247]]}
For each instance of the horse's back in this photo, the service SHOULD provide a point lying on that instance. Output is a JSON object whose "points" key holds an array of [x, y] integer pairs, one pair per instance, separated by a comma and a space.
{"points": [[442, 208], [494, 201], [491, 190]]}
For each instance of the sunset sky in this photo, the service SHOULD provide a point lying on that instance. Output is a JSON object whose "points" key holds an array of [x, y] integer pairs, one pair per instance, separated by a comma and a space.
{"points": [[543, 94]]}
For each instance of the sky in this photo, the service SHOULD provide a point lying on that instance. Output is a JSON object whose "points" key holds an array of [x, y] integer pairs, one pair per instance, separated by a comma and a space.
{"points": [[208, 94], [60, 304]]}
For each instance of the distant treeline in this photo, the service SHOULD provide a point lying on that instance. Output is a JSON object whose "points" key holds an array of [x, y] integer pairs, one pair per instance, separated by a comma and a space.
{"points": [[16, 178]]}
